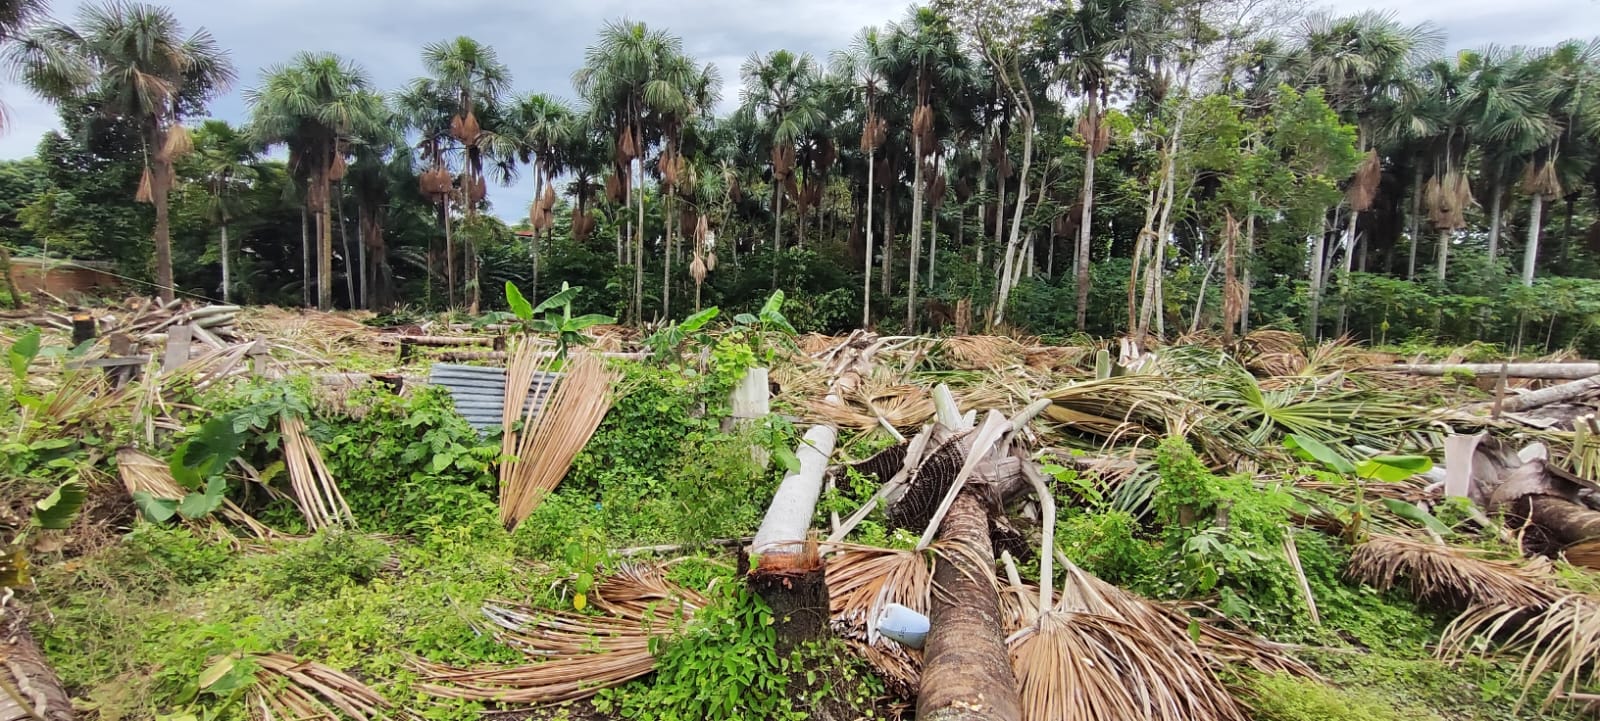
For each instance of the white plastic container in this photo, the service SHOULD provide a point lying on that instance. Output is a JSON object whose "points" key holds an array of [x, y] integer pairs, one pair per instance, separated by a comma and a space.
{"points": [[905, 626]]}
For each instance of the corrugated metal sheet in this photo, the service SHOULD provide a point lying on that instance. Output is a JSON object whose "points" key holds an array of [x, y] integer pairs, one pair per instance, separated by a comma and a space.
{"points": [[480, 392]]}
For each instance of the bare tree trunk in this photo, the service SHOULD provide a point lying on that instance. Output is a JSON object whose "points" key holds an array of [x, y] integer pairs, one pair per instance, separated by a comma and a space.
{"points": [[325, 244], [933, 248], [160, 183], [29, 688], [1416, 212], [866, 285], [227, 282], [1494, 222], [638, 249], [1082, 259], [5, 274], [1444, 254], [1012, 246], [666, 265], [305, 259], [1530, 255], [1318, 249], [966, 670], [777, 227], [1245, 276], [916, 233], [350, 272], [1350, 240], [449, 257], [888, 237]]}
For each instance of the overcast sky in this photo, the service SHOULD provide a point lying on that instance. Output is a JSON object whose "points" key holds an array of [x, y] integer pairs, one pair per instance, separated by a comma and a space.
{"points": [[542, 41]]}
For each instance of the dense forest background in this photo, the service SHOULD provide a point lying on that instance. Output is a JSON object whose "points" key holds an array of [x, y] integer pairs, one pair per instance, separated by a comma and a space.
{"points": [[1152, 167]]}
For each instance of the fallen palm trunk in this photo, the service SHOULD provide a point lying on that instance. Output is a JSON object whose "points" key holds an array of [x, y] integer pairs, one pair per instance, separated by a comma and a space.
{"points": [[966, 675], [1536, 371], [29, 688], [1563, 393]]}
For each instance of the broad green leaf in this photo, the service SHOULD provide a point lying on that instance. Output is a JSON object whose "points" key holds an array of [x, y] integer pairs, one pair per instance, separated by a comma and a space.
{"points": [[23, 351], [563, 298], [1312, 449], [587, 321], [773, 305], [519, 305], [155, 509], [198, 505], [744, 319], [211, 675], [1393, 469], [1411, 512], [699, 320], [58, 509], [787, 459]]}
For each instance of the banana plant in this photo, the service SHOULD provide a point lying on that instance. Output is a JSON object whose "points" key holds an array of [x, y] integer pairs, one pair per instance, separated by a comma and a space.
{"points": [[554, 316], [1381, 468]]}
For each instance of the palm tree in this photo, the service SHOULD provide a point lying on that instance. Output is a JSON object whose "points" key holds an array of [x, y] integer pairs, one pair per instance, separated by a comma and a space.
{"points": [[226, 166], [1089, 40], [316, 105], [863, 63], [929, 63], [1568, 81], [425, 109], [778, 89], [29, 55], [379, 171], [622, 80], [471, 74], [1502, 113], [542, 122], [136, 59]]}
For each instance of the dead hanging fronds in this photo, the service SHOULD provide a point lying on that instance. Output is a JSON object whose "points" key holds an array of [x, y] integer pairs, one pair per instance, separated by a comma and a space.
{"points": [[287, 688], [698, 269], [582, 224], [627, 146], [337, 167], [922, 128], [315, 492], [1094, 132], [1273, 353], [1541, 179], [146, 192], [436, 183], [1447, 198], [782, 161], [936, 188], [465, 128], [475, 188], [573, 656], [144, 473], [1447, 575], [178, 143], [1101, 654], [552, 432], [536, 216], [1559, 638], [702, 230], [547, 200], [1364, 184]]}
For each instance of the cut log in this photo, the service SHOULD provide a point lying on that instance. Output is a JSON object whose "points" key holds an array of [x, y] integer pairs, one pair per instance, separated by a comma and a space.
{"points": [[1548, 396], [29, 688], [1538, 371], [966, 671], [1567, 522]]}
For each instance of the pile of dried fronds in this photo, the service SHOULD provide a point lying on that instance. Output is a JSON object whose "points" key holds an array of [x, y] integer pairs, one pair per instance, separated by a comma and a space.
{"points": [[324, 333], [315, 492], [979, 352], [1100, 654], [144, 473], [573, 656], [289, 689], [1455, 577], [552, 432], [1120, 408], [879, 401], [1273, 352], [862, 581]]}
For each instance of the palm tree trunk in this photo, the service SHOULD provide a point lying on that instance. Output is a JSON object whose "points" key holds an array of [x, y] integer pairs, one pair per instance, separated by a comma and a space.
{"points": [[227, 282], [350, 273], [1416, 212], [638, 248], [1444, 254], [933, 248], [888, 236], [324, 244], [1318, 249], [449, 255], [1530, 255], [160, 181], [777, 217], [29, 688], [866, 285], [1350, 240], [361, 262], [916, 233], [305, 259], [1082, 257], [1012, 245], [1494, 222], [666, 265], [1245, 278], [966, 672]]}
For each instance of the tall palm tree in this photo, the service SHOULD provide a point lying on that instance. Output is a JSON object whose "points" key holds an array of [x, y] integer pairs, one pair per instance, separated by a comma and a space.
{"points": [[864, 63], [423, 108], [136, 59], [929, 64], [316, 105], [472, 75], [1503, 114], [623, 82], [778, 88], [226, 166], [1089, 43], [543, 122], [30, 56], [1568, 81], [379, 171]]}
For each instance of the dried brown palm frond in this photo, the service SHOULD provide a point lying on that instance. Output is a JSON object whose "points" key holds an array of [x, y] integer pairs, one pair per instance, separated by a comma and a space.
{"points": [[1560, 637], [1119, 406], [178, 143], [614, 187], [1340, 354], [702, 229], [145, 193], [936, 188], [922, 126], [435, 183], [627, 146], [1102, 654], [782, 161], [582, 224], [536, 216], [1049, 358], [573, 656], [812, 344], [1584, 553], [979, 352], [863, 580], [144, 473], [1542, 179], [465, 128], [337, 167], [315, 492], [547, 200], [1364, 185], [697, 269], [711, 260], [287, 688], [475, 188], [552, 432], [1449, 575]]}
